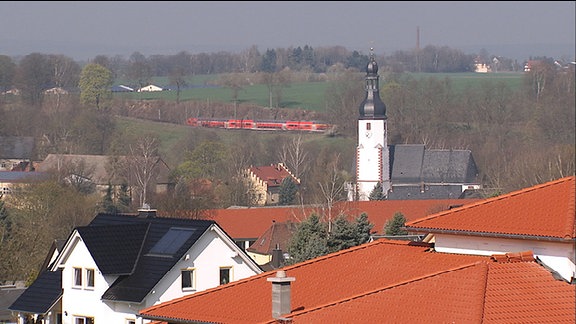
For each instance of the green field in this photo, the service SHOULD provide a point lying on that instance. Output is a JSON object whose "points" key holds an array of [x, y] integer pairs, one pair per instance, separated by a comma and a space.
{"points": [[305, 95]]}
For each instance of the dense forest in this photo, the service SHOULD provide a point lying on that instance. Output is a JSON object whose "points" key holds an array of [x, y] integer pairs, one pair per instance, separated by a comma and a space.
{"points": [[519, 137]]}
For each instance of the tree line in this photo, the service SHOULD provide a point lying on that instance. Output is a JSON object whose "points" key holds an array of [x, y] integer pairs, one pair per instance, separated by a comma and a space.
{"points": [[519, 138]]}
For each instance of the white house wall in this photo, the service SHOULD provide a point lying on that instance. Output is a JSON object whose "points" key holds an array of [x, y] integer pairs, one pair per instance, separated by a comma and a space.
{"points": [[85, 302], [207, 256], [557, 255], [211, 251]]}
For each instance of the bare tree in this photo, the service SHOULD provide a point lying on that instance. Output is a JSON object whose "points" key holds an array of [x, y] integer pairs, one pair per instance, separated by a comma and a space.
{"points": [[333, 188], [294, 156], [142, 161]]}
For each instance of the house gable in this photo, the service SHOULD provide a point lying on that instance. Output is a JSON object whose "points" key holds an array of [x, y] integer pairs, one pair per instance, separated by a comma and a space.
{"points": [[540, 218]]}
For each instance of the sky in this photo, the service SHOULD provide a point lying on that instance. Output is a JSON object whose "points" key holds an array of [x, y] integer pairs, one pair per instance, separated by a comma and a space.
{"points": [[84, 29]]}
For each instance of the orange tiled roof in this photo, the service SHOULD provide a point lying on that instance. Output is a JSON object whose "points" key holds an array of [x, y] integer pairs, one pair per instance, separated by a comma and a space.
{"points": [[319, 281], [389, 281], [253, 222], [273, 175], [277, 235], [524, 212]]}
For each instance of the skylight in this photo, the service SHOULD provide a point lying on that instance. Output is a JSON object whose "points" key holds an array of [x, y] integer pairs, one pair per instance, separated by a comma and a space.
{"points": [[172, 241]]}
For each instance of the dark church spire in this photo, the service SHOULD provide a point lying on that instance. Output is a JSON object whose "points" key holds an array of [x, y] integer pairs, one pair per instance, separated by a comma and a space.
{"points": [[372, 107]]}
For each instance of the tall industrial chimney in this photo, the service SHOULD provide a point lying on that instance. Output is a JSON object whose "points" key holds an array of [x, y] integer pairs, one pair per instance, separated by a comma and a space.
{"points": [[417, 38], [281, 303]]}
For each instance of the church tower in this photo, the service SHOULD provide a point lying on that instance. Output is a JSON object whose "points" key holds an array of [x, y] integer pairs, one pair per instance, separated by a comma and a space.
{"points": [[372, 154]]}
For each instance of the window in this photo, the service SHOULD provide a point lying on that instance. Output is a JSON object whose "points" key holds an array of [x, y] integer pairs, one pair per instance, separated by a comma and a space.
{"points": [[77, 277], [188, 279], [368, 126], [225, 275], [90, 278], [130, 321], [83, 320]]}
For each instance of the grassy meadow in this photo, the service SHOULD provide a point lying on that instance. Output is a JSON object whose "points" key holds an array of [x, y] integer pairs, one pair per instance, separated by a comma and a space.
{"points": [[305, 95]]}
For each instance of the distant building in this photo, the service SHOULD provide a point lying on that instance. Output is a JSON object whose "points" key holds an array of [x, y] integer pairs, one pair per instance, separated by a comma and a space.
{"points": [[265, 181], [121, 88], [404, 171], [150, 88]]}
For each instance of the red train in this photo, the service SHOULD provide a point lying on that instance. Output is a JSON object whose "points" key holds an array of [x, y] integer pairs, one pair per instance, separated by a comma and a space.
{"points": [[289, 125]]}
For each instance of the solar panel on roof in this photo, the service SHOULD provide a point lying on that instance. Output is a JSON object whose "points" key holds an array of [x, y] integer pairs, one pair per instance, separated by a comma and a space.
{"points": [[172, 241]]}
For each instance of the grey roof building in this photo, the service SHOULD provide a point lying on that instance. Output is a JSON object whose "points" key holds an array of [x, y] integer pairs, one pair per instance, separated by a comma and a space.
{"points": [[404, 171]]}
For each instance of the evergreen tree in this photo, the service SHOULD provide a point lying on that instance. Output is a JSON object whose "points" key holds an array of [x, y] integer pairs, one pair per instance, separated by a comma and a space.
{"points": [[309, 241], [343, 236], [5, 223], [394, 225], [311, 238], [124, 199], [107, 202], [288, 191], [377, 193], [363, 228]]}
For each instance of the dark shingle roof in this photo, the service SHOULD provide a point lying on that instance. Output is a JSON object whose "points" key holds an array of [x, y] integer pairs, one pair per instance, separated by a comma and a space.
{"points": [[413, 163], [406, 163], [149, 268], [7, 297], [125, 240], [41, 295], [415, 192]]}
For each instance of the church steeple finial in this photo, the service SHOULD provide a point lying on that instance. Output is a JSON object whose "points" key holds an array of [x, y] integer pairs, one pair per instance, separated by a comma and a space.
{"points": [[372, 107]]}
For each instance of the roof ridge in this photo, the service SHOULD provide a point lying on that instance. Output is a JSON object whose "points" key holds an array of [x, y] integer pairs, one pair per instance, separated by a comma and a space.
{"points": [[490, 200], [483, 264], [345, 251], [571, 224]]}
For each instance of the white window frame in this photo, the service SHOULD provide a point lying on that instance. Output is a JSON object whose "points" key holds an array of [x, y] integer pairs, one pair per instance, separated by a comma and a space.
{"points": [[90, 278], [192, 273], [83, 320], [77, 277]]}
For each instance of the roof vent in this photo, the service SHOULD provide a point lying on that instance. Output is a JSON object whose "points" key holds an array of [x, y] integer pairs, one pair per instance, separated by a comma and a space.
{"points": [[281, 303], [146, 212]]}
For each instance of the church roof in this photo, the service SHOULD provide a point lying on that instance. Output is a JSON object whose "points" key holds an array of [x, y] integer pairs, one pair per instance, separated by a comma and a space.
{"points": [[413, 163]]}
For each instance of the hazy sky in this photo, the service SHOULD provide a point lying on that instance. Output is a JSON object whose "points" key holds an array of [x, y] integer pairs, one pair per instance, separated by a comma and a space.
{"points": [[84, 29]]}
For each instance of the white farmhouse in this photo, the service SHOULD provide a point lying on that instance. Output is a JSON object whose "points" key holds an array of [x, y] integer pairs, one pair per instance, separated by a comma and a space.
{"points": [[120, 264], [150, 88]]}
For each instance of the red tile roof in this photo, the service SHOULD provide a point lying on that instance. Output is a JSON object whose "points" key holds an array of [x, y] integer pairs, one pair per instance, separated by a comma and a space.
{"points": [[389, 281], [525, 292], [273, 175], [320, 281], [253, 222], [524, 212], [277, 236]]}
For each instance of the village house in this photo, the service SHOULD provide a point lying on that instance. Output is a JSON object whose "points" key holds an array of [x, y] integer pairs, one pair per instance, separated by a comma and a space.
{"points": [[117, 265], [102, 171], [16, 152], [541, 218], [265, 181]]}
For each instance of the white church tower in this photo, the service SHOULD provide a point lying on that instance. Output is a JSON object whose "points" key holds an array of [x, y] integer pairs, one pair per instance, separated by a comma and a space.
{"points": [[372, 154]]}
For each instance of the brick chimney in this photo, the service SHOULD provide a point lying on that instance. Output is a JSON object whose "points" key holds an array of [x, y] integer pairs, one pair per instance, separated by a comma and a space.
{"points": [[281, 303]]}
